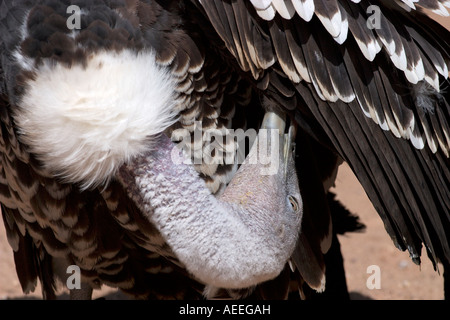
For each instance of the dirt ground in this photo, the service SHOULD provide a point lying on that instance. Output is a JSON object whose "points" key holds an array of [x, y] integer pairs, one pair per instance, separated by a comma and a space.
{"points": [[399, 277]]}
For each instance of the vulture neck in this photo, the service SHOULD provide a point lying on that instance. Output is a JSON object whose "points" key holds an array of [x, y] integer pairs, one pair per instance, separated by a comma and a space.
{"points": [[240, 239]]}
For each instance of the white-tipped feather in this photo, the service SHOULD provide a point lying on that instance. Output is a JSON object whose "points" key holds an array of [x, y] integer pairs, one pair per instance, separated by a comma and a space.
{"points": [[433, 80], [431, 142], [345, 98], [362, 104], [410, 4], [382, 123], [344, 29], [446, 143], [261, 4], [305, 9], [301, 69], [369, 50], [392, 126], [411, 76], [342, 36], [399, 60], [442, 11], [403, 5], [332, 25], [378, 46], [442, 69], [390, 46], [373, 114], [319, 90], [417, 141], [268, 13], [406, 4], [420, 70], [84, 122]]}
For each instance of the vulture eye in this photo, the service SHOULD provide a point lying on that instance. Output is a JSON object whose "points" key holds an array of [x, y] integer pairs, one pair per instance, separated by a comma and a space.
{"points": [[294, 203]]}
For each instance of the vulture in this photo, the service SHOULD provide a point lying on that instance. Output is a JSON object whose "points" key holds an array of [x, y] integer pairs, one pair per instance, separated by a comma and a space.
{"points": [[185, 149]]}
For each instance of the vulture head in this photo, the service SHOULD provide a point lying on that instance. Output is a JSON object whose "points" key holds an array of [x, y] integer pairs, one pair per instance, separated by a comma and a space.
{"points": [[243, 237]]}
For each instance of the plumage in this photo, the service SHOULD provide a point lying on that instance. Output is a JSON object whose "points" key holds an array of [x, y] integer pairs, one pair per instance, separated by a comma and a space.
{"points": [[314, 59], [383, 97], [197, 71], [298, 58], [284, 8], [330, 15], [437, 7], [344, 26], [304, 8], [261, 4], [283, 53]]}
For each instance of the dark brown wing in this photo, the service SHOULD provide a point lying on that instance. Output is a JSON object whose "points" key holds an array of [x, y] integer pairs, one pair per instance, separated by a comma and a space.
{"points": [[363, 91]]}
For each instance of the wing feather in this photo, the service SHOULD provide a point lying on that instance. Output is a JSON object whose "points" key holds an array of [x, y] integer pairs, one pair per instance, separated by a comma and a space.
{"points": [[229, 17], [363, 35], [430, 51], [329, 14], [282, 51], [245, 36], [366, 93], [336, 70], [304, 8], [436, 6], [315, 62], [296, 51]]}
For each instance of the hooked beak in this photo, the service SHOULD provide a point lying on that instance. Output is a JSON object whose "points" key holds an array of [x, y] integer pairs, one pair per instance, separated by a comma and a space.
{"points": [[273, 121], [239, 239]]}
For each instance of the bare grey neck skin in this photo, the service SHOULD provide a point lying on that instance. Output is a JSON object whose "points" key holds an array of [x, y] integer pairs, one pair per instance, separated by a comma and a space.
{"points": [[240, 239]]}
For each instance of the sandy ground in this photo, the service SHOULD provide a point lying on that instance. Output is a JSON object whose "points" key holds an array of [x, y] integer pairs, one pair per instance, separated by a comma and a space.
{"points": [[399, 277]]}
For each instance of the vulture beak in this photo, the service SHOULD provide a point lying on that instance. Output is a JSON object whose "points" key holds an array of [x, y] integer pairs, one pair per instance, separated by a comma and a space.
{"points": [[289, 148], [273, 121], [240, 239]]}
